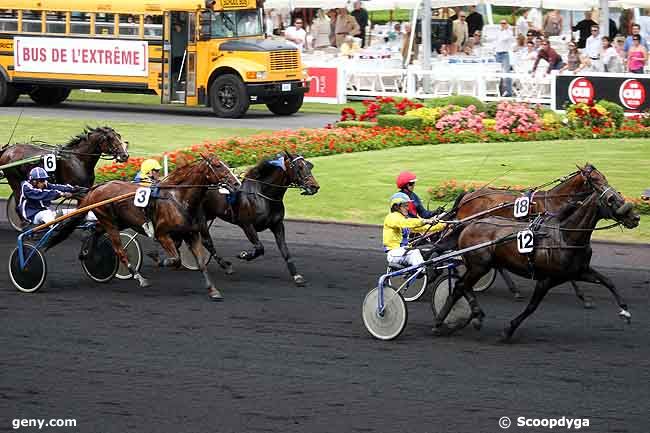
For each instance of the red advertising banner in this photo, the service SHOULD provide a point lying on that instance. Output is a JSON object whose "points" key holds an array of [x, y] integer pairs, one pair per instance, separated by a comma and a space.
{"points": [[323, 82]]}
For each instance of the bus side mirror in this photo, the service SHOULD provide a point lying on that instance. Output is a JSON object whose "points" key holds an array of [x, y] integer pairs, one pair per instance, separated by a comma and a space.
{"points": [[205, 25]]}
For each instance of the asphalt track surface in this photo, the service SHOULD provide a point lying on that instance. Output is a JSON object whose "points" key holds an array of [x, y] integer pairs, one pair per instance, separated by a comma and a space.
{"points": [[168, 114], [276, 358]]}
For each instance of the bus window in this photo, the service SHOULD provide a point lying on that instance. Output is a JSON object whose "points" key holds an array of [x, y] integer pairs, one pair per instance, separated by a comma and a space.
{"points": [[79, 23], [104, 24], [248, 24], [151, 29], [223, 25], [55, 22], [31, 21], [234, 24], [129, 26], [8, 21]]}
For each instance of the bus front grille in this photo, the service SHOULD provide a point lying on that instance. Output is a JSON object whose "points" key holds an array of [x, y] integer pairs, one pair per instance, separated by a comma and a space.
{"points": [[284, 60]]}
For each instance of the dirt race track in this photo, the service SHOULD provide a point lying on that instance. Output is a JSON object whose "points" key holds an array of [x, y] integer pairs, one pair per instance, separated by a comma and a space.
{"points": [[276, 358]]}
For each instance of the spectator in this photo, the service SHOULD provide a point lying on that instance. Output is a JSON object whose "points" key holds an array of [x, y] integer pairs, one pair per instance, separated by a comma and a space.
{"points": [[320, 30], [609, 57], [474, 21], [531, 52], [534, 20], [553, 23], [637, 56], [636, 31], [345, 25], [332, 16], [459, 33], [349, 46], [626, 23], [474, 41], [572, 58], [296, 34], [522, 24], [593, 44], [538, 43], [551, 56], [613, 30], [502, 46], [584, 27], [406, 38], [619, 43], [361, 15], [454, 17]]}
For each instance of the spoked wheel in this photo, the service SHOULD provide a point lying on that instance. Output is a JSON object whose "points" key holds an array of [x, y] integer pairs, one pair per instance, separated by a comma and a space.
{"points": [[460, 314], [15, 220], [392, 321], [485, 282], [133, 250], [101, 263], [31, 277], [187, 258], [415, 288]]}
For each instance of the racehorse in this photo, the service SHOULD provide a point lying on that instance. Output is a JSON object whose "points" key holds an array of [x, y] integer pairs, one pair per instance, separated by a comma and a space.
{"points": [[76, 160], [176, 213], [258, 205], [562, 252], [582, 181]]}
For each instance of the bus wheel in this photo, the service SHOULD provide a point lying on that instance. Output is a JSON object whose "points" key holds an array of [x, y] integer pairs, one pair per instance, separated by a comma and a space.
{"points": [[228, 96], [49, 95], [8, 93], [287, 105]]}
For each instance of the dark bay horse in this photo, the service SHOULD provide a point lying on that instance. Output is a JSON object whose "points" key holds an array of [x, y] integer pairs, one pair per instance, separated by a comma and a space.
{"points": [[582, 181], [176, 213], [76, 160], [258, 204], [562, 252]]}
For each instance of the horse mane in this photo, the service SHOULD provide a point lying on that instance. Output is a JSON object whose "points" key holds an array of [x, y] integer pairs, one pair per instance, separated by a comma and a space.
{"points": [[262, 170], [83, 135], [180, 174]]}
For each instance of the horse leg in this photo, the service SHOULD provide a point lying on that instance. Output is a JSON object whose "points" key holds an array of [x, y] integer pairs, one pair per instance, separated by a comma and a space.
{"points": [[172, 260], [258, 248], [195, 247], [586, 302], [470, 278], [209, 245], [541, 289], [593, 276], [278, 232], [114, 236], [511, 284]]}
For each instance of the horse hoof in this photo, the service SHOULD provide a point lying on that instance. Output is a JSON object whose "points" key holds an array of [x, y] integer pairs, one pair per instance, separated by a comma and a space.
{"points": [[215, 295], [441, 330], [505, 336], [144, 283], [299, 280], [229, 270], [625, 315], [588, 305], [243, 255], [477, 321]]}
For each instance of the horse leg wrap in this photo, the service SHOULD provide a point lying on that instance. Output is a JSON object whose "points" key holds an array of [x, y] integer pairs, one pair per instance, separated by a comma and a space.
{"points": [[169, 262], [292, 267]]}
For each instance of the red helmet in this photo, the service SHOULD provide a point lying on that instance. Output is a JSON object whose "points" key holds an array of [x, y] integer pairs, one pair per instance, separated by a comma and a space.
{"points": [[405, 178]]}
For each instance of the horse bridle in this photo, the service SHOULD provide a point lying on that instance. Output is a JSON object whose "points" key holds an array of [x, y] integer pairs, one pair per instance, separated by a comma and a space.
{"points": [[222, 184], [297, 173]]}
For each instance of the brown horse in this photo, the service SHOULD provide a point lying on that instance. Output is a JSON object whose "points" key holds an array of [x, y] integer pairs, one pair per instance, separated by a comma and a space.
{"points": [[175, 210], [582, 181], [258, 205], [76, 160], [562, 252]]}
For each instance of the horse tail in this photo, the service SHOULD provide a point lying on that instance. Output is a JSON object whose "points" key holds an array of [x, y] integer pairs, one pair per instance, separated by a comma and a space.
{"points": [[64, 230]]}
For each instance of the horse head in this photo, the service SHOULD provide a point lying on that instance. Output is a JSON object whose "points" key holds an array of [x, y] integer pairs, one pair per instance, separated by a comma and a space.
{"points": [[299, 172], [108, 142], [591, 177], [220, 174], [612, 205]]}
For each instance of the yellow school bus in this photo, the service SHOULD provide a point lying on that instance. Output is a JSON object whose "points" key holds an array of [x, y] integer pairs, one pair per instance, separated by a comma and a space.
{"points": [[188, 52]]}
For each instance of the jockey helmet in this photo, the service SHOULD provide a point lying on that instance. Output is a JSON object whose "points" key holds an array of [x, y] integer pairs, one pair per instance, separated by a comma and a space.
{"points": [[148, 165], [405, 178], [38, 173], [399, 198]]}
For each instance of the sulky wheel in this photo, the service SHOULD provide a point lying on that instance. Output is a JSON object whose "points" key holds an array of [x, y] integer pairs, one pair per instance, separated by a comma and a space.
{"points": [[413, 291], [460, 314], [485, 282], [187, 258], [101, 263], [133, 250], [15, 220], [30, 277], [392, 321]]}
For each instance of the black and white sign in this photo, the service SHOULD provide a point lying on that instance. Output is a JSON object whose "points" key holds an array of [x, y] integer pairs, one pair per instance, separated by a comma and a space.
{"points": [[525, 241], [49, 162], [141, 198], [522, 207]]}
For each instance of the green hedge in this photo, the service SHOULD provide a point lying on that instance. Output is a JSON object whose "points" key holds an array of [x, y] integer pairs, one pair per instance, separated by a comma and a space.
{"points": [[405, 122], [459, 100], [353, 123], [616, 111]]}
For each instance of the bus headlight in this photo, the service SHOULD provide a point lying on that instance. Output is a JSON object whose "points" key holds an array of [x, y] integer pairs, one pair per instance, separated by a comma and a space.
{"points": [[260, 75]]}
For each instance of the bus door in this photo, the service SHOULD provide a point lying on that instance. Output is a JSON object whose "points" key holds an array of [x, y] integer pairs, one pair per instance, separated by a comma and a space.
{"points": [[175, 55]]}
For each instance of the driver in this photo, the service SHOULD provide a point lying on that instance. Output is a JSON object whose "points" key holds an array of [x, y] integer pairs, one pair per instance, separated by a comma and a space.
{"points": [[149, 175], [406, 184], [398, 226], [36, 195]]}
